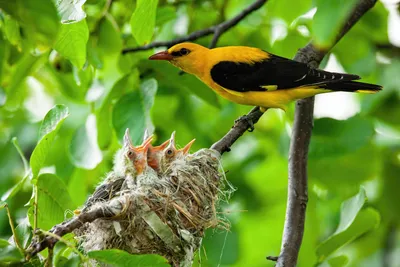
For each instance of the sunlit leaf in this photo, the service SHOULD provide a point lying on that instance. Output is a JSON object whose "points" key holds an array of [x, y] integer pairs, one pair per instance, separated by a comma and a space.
{"points": [[48, 130], [70, 11], [119, 258], [83, 149], [71, 42], [330, 17], [53, 200], [143, 20]]}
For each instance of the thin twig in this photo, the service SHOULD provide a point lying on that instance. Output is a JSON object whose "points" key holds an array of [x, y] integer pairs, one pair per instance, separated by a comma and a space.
{"points": [[217, 30], [12, 226], [298, 154]]}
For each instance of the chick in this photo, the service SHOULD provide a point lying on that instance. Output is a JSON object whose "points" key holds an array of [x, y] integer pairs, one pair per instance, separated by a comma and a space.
{"points": [[154, 153], [129, 162], [170, 153]]}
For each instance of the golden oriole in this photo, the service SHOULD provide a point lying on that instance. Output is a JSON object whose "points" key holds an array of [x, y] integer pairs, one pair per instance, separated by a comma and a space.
{"points": [[251, 76]]}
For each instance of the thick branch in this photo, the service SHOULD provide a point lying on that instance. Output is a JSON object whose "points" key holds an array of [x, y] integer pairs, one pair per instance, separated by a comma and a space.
{"points": [[298, 154], [217, 30]]}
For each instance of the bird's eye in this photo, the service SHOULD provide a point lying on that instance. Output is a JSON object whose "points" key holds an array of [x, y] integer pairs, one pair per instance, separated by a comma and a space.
{"points": [[170, 152], [130, 154], [184, 51]]}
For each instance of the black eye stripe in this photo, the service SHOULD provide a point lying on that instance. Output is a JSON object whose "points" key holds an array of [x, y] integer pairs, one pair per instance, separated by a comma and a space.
{"points": [[181, 52]]}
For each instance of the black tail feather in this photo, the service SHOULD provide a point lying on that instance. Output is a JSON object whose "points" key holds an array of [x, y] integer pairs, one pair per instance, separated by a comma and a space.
{"points": [[351, 86]]}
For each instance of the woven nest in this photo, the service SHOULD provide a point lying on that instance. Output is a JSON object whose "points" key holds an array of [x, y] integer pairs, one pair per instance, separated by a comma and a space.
{"points": [[163, 213]]}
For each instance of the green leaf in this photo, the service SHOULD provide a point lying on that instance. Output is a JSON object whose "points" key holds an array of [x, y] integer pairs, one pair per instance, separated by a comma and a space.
{"points": [[24, 233], [334, 138], [353, 222], [23, 68], [148, 89], [168, 75], [39, 20], [9, 253], [350, 209], [71, 42], [12, 31], [119, 258], [129, 113], [17, 187], [70, 11], [73, 261], [143, 20], [330, 17], [103, 115], [48, 130], [339, 261], [165, 14], [83, 149], [279, 9], [110, 41], [53, 200]]}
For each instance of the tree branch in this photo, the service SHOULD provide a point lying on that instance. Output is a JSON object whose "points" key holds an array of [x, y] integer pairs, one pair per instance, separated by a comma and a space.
{"points": [[298, 154], [67, 227], [217, 30]]}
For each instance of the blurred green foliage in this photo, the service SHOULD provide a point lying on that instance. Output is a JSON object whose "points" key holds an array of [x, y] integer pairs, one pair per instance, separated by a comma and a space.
{"points": [[75, 73]]}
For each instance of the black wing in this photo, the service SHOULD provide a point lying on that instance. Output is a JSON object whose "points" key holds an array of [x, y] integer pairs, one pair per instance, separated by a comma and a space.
{"points": [[273, 71]]}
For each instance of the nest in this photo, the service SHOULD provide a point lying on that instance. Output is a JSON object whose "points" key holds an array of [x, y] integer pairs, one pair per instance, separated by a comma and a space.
{"points": [[163, 213]]}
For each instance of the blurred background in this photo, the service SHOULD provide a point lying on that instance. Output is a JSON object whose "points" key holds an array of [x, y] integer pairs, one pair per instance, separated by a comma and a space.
{"points": [[355, 143]]}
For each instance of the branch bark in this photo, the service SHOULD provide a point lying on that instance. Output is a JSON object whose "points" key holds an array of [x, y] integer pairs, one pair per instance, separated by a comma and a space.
{"points": [[66, 227], [298, 154], [217, 30]]}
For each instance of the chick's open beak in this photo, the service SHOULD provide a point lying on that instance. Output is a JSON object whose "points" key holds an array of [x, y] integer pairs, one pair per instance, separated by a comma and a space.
{"points": [[164, 55], [186, 149]]}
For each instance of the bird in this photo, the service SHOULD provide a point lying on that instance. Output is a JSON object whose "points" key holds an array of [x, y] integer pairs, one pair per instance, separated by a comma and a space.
{"points": [[154, 153], [129, 163], [171, 153], [251, 76]]}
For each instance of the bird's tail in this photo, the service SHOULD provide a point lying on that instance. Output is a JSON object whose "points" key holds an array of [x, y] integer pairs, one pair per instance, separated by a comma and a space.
{"points": [[351, 86]]}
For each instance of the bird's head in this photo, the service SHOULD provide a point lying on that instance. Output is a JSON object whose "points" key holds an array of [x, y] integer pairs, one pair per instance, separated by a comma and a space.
{"points": [[131, 159], [170, 153], [189, 57], [154, 155]]}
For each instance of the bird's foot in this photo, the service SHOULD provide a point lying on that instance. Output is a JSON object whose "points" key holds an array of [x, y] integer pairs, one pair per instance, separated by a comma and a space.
{"points": [[248, 119]]}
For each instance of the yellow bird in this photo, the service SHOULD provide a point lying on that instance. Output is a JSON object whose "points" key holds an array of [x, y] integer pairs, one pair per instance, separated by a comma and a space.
{"points": [[251, 76]]}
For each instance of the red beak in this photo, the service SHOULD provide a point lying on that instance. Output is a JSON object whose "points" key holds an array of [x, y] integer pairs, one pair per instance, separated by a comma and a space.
{"points": [[164, 55]]}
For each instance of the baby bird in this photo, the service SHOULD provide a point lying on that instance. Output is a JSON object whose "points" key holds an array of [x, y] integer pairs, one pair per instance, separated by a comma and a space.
{"points": [[129, 163], [170, 153], [154, 153]]}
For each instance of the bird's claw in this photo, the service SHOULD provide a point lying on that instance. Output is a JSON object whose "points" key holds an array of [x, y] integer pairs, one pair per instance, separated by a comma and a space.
{"points": [[249, 121]]}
